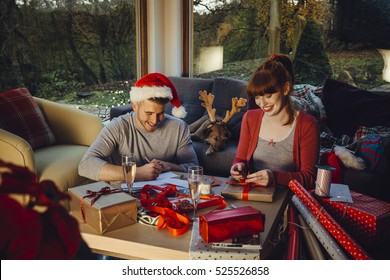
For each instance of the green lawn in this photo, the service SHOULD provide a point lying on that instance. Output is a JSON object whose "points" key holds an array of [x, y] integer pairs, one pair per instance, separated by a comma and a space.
{"points": [[364, 66]]}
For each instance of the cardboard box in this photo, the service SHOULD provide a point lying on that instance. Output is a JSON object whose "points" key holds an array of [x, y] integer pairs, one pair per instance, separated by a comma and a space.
{"points": [[367, 219], [248, 192], [109, 212]]}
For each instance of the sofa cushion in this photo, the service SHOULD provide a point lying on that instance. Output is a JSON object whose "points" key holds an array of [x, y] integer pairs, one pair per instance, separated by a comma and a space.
{"points": [[20, 115], [217, 164], [348, 107], [188, 90], [224, 90], [59, 163]]}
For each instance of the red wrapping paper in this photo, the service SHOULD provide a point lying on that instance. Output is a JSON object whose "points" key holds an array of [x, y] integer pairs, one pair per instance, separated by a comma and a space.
{"points": [[367, 219], [293, 235], [221, 225], [345, 240]]}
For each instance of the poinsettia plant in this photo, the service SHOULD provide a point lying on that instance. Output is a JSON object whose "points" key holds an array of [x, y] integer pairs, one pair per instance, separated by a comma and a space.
{"points": [[50, 233]]}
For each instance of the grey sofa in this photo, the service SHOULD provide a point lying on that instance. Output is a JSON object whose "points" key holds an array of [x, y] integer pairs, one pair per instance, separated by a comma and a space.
{"points": [[346, 107], [224, 89]]}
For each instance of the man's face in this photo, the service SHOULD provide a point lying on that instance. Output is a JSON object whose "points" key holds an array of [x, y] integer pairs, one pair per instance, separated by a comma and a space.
{"points": [[149, 114]]}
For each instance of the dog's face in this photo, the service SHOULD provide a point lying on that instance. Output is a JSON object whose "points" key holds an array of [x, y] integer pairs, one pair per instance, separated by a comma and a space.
{"points": [[216, 134]]}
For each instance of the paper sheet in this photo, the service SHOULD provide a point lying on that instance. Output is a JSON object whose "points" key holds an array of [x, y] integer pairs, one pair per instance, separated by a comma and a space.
{"points": [[340, 193], [163, 180]]}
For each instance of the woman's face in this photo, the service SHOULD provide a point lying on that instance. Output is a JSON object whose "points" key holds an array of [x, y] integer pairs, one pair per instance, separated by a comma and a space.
{"points": [[273, 103]]}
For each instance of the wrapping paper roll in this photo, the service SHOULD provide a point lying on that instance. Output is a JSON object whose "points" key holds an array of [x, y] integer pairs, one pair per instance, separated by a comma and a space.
{"points": [[323, 236], [314, 247], [345, 240], [293, 235]]}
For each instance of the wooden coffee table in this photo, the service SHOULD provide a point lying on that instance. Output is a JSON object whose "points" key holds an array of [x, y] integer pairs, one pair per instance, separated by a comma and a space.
{"points": [[141, 241]]}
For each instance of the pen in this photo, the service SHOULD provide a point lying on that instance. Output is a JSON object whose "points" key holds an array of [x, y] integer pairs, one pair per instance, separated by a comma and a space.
{"points": [[158, 162], [227, 245]]}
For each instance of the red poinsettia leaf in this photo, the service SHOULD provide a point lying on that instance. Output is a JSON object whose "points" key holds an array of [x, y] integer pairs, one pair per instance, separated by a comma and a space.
{"points": [[22, 173], [21, 231], [63, 230]]}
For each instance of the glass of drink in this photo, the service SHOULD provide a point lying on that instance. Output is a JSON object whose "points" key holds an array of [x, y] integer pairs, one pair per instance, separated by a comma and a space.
{"points": [[195, 178], [129, 167]]}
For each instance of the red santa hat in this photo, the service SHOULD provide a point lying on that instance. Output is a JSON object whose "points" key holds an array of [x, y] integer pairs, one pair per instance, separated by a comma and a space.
{"points": [[155, 85]]}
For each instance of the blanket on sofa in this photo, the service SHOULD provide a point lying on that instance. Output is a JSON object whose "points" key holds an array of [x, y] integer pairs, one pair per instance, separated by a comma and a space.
{"points": [[308, 99]]}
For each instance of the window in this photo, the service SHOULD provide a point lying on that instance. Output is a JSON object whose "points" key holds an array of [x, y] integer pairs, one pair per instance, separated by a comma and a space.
{"points": [[231, 37], [54, 47]]}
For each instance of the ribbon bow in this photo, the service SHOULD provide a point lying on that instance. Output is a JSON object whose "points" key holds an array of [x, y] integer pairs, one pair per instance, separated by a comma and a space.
{"points": [[95, 196], [177, 223], [246, 189]]}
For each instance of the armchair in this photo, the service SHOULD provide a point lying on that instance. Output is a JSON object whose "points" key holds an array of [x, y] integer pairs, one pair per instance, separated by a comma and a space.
{"points": [[74, 131]]}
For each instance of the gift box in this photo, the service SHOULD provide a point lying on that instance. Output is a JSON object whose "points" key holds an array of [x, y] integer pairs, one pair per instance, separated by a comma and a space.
{"points": [[367, 219], [184, 204], [200, 250], [103, 207], [221, 225], [247, 191]]}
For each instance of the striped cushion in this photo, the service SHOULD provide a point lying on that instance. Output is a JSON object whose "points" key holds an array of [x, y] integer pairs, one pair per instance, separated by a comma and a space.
{"points": [[20, 115]]}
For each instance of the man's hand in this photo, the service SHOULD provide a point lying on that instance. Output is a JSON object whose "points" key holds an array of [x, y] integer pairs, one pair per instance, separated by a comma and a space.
{"points": [[149, 171], [164, 166]]}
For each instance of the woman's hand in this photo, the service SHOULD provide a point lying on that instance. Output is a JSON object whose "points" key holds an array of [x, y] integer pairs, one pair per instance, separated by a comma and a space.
{"points": [[263, 177], [238, 171]]}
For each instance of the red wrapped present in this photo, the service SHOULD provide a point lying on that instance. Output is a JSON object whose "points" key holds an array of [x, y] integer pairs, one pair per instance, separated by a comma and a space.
{"points": [[221, 225], [346, 241], [367, 219]]}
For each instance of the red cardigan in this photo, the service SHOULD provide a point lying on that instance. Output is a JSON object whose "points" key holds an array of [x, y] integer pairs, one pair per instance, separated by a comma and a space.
{"points": [[305, 148]]}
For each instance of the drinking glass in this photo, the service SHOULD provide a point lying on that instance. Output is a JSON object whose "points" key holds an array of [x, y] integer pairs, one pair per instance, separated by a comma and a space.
{"points": [[195, 178], [129, 167]]}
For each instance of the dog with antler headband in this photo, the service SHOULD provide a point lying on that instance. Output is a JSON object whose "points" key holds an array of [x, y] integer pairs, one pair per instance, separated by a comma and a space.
{"points": [[211, 128]]}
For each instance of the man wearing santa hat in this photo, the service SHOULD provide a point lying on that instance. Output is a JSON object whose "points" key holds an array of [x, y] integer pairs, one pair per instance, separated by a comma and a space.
{"points": [[159, 141]]}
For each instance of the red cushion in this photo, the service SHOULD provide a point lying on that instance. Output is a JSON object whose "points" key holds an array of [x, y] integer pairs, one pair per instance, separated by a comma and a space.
{"points": [[20, 115]]}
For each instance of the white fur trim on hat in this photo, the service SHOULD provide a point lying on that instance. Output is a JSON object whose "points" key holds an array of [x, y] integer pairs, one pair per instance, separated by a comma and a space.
{"points": [[138, 94], [179, 112]]}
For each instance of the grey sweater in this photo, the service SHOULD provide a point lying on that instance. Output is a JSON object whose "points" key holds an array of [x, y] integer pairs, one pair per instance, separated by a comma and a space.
{"points": [[170, 142]]}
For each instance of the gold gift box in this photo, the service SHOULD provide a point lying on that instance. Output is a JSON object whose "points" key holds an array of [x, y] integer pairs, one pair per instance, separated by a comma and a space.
{"points": [[109, 212], [255, 193]]}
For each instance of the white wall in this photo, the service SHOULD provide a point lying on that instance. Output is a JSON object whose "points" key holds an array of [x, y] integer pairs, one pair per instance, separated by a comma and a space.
{"points": [[165, 37], [386, 67]]}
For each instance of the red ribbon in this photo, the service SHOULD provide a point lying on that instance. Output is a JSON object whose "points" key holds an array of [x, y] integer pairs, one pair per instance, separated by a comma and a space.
{"points": [[176, 223], [245, 192], [95, 196], [246, 189]]}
